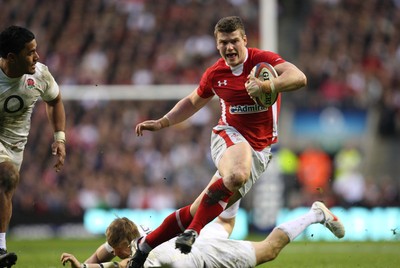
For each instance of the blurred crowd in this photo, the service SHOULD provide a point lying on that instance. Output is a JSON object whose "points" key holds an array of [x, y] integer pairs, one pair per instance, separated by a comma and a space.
{"points": [[126, 41], [349, 50]]}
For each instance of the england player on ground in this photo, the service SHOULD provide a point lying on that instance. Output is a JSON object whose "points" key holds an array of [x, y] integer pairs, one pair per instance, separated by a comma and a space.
{"points": [[213, 248]]}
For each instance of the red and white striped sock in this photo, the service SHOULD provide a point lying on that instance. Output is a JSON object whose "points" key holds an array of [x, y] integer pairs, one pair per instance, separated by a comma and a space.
{"points": [[211, 205], [172, 225]]}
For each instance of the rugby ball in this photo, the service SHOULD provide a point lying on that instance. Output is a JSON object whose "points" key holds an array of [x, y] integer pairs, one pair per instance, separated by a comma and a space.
{"points": [[264, 71]]}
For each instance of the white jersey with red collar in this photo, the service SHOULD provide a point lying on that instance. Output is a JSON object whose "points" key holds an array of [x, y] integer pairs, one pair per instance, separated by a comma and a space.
{"points": [[17, 99], [256, 123]]}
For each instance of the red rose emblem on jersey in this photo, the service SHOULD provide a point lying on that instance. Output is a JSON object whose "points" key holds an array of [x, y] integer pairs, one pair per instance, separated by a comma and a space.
{"points": [[30, 83]]}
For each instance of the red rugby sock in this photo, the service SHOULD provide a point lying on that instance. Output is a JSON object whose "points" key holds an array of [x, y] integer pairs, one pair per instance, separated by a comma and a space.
{"points": [[211, 205], [172, 225]]}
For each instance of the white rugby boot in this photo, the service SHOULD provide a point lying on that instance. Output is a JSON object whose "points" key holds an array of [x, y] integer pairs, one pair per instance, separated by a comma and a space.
{"points": [[330, 221]]}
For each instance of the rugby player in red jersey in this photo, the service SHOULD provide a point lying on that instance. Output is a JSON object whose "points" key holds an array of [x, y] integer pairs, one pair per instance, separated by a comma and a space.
{"points": [[240, 142]]}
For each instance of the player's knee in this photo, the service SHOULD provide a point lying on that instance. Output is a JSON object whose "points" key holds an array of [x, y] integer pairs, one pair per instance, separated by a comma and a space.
{"points": [[9, 176], [238, 179]]}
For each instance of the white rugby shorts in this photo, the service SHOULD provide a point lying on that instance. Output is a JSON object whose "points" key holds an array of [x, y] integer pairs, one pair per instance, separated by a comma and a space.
{"points": [[260, 158], [14, 156]]}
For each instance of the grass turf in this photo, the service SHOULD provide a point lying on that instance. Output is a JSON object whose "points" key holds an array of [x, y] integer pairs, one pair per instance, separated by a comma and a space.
{"points": [[46, 253]]}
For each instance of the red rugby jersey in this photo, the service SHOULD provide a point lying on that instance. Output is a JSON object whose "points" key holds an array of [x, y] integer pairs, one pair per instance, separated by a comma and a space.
{"points": [[257, 124]]}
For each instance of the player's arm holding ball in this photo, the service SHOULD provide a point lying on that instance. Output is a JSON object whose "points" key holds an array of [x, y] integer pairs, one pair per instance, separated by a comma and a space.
{"points": [[289, 78]]}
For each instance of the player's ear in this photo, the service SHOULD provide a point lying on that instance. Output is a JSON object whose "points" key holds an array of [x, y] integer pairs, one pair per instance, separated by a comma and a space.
{"points": [[11, 57], [245, 40]]}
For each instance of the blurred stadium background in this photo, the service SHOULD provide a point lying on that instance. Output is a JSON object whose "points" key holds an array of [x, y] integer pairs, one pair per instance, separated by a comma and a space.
{"points": [[122, 61]]}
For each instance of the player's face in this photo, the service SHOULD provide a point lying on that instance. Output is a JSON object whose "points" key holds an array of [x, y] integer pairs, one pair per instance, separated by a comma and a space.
{"points": [[123, 251], [26, 59], [232, 47]]}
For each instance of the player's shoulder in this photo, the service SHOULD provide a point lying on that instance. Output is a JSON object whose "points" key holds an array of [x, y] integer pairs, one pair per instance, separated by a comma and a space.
{"points": [[41, 68], [42, 73], [257, 55], [253, 51]]}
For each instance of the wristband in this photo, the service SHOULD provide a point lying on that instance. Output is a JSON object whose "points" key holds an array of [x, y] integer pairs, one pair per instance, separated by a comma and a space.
{"points": [[109, 265], [59, 136], [272, 86]]}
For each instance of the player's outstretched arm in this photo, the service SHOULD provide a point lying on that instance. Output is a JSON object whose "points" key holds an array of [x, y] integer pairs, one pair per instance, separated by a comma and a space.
{"points": [[69, 258], [184, 109], [151, 125], [73, 261], [100, 255]]}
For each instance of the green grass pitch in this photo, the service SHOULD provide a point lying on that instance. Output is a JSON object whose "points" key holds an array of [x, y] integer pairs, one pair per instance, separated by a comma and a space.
{"points": [[46, 253]]}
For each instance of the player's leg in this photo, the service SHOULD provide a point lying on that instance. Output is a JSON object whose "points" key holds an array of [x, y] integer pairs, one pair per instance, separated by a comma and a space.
{"points": [[223, 225], [9, 177], [234, 166], [271, 246], [330, 220], [174, 224]]}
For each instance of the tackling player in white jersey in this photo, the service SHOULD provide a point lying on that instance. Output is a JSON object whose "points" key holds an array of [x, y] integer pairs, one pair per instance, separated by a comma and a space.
{"points": [[213, 248], [23, 80]]}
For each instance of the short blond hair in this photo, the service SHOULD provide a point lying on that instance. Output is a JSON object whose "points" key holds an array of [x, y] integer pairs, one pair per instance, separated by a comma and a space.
{"points": [[121, 231]]}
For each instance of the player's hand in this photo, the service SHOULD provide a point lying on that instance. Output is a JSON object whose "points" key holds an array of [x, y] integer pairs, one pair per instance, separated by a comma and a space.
{"points": [[253, 86], [150, 125], [123, 263], [66, 257], [58, 149]]}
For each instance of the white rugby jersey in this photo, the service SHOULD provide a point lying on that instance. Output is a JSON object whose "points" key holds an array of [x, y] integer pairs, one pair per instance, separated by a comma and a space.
{"points": [[18, 96], [212, 249]]}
